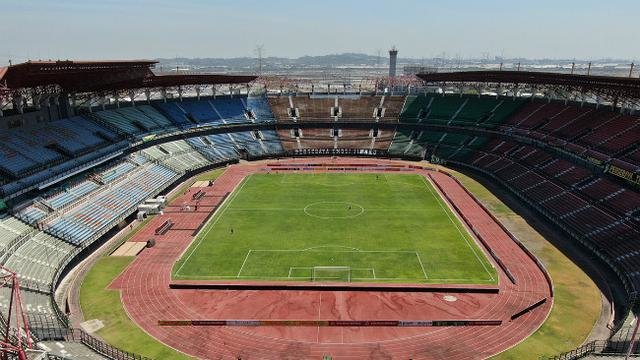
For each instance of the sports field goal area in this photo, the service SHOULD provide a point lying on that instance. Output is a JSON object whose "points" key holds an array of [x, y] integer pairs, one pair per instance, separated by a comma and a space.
{"points": [[333, 264], [332, 273]]}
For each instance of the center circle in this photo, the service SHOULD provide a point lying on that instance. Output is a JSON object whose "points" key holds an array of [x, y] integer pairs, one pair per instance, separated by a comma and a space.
{"points": [[334, 210]]}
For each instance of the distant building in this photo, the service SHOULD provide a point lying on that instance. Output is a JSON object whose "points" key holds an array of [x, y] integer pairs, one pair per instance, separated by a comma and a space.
{"points": [[417, 69], [393, 60]]}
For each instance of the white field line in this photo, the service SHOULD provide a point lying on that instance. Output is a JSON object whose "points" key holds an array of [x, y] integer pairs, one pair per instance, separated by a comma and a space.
{"points": [[386, 180], [244, 262], [302, 209], [217, 217], [346, 251], [422, 266], [439, 200], [267, 209]]}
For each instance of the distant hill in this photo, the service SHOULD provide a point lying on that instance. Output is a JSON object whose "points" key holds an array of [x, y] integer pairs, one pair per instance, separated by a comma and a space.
{"points": [[354, 60], [322, 60]]}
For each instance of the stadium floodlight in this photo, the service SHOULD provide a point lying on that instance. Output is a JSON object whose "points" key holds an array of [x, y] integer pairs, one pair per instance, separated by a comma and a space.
{"points": [[331, 273]]}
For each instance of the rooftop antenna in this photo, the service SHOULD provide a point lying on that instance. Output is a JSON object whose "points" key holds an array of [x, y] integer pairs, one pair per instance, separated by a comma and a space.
{"points": [[259, 50], [631, 70]]}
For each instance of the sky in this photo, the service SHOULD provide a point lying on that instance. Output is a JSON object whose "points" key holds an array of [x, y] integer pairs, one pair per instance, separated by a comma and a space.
{"points": [[136, 29]]}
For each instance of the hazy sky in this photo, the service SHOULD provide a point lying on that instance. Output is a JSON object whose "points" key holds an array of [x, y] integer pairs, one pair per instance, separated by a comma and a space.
{"points": [[91, 29]]}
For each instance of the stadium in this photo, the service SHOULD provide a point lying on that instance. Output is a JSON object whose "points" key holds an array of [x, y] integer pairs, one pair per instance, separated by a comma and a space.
{"points": [[450, 214]]}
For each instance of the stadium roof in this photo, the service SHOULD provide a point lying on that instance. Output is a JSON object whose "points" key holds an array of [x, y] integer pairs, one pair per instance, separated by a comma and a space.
{"points": [[609, 86], [85, 76]]}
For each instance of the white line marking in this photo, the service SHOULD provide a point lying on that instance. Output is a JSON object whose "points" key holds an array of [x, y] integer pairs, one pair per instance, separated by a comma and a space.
{"points": [[302, 209], [306, 210], [330, 246], [348, 251], [422, 266], [244, 262]]}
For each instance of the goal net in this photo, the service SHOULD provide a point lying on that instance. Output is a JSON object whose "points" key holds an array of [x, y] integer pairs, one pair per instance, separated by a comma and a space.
{"points": [[331, 273]]}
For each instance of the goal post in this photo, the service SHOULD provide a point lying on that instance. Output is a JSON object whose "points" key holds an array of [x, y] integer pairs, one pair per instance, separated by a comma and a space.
{"points": [[331, 273]]}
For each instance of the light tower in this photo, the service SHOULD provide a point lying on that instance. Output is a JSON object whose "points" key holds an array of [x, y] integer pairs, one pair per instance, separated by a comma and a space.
{"points": [[393, 59]]}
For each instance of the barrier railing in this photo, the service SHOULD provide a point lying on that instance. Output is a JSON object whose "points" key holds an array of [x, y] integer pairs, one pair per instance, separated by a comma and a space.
{"points": [[103, 348], [579, 352]]}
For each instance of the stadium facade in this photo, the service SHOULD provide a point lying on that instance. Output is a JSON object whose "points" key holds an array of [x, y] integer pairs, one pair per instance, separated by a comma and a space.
{"points": [[85, 143]]}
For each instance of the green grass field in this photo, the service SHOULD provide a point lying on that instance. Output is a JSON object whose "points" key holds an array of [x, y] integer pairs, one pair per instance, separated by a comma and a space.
{"points": [[99, 302], [382, 228]]}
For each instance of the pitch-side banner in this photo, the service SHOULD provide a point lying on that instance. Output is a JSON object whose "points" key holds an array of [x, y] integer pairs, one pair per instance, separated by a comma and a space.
{"points": [[331, 323]]}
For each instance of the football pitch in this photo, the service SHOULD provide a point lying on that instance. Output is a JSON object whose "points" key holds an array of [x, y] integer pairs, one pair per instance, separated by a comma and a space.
{"points": [[335, 227]]}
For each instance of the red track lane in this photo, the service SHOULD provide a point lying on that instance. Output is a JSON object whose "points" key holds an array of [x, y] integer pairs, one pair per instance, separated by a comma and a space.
{"points": [[147, 297]]}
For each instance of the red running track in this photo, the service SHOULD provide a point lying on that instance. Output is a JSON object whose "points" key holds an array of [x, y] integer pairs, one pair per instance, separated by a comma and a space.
{"points": [[147, 297]]}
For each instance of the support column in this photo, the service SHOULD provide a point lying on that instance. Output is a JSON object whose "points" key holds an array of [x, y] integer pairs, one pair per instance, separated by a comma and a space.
{"points": [[132, 96], [147, 94], [213, 91], [36, 98], [533, 92], [17, 103], [163, 94], [198, 92], [70, 104], [56, 100], [90, 102], [1, 106], [180, 93]]}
